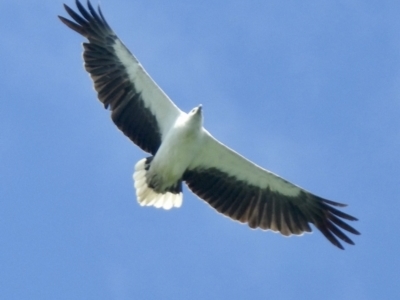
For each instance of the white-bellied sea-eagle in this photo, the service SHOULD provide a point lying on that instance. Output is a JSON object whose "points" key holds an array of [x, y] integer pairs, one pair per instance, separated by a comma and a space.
{"points": [[183, 151]]}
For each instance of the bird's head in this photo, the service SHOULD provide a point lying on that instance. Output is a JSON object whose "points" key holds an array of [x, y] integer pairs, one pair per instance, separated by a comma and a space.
{"points": [[196, 115], [196, 110]]}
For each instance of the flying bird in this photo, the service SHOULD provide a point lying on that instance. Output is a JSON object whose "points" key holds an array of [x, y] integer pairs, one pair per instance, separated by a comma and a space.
{"points": [[181, 150]]}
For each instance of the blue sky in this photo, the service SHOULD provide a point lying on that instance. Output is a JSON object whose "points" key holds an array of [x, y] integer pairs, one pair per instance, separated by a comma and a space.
{"points": [[309, 90]]}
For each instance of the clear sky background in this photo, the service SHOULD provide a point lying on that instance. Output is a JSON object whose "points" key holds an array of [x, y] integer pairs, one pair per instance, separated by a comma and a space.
{"points": [[307, 89]]}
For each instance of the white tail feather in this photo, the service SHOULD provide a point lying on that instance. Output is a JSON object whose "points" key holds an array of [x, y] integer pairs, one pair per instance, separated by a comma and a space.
{"points": [[146, 196]]}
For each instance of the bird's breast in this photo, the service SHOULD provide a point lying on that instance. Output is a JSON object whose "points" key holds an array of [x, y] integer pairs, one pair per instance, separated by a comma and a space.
{"points": [[176, 152]]}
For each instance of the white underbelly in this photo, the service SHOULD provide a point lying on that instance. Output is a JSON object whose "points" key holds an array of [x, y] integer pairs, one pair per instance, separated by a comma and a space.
{"points": [[173, 157]]}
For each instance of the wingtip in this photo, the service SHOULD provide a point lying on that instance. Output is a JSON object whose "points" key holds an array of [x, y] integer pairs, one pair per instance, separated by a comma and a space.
{"points": [[333, 203]]}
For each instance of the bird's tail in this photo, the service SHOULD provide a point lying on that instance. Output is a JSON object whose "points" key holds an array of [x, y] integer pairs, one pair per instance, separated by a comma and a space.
{"points": [[146, 196]]}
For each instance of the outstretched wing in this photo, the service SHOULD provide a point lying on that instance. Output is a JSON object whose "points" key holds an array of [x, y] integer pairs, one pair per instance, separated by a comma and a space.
{"points": [[245, 192], [140, 109]]}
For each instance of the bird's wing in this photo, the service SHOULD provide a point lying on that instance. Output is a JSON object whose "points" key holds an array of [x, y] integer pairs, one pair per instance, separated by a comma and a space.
{"points": [[140, 109], [245, 192]]}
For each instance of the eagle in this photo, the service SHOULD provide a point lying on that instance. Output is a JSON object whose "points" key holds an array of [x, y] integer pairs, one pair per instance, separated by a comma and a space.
{"points": [[183, 151]]}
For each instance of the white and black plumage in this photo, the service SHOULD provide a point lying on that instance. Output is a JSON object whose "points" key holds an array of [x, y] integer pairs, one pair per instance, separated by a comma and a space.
{"points": [[182, 150]]}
